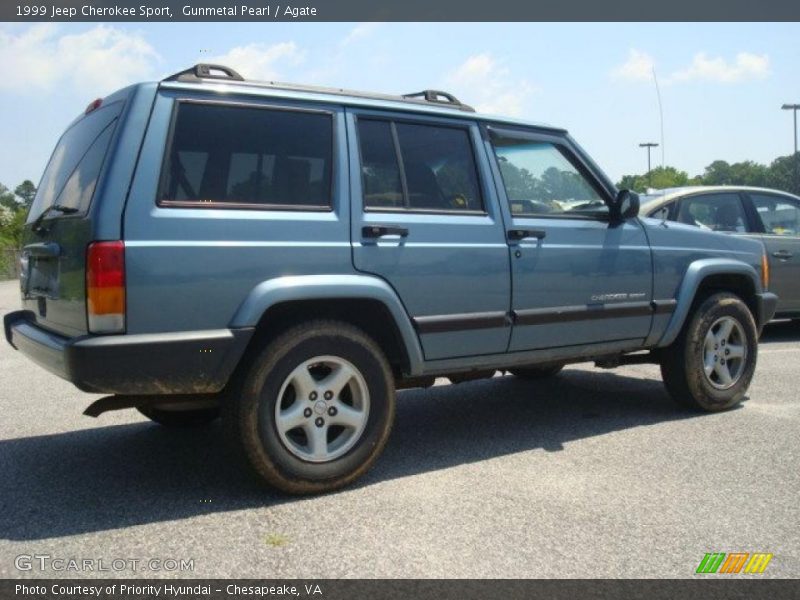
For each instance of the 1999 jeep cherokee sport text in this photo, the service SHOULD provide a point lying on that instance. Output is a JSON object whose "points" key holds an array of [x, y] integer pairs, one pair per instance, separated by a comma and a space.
{"points": [[289, 256]]}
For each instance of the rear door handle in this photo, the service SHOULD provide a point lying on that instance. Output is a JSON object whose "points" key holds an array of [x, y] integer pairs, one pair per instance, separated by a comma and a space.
{"points": [[521, 234], [377, 231], [783, 254]]}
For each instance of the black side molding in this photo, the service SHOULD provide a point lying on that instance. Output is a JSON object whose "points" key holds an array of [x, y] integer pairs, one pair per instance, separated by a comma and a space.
{"points": [[541, 316], [461, 322]]}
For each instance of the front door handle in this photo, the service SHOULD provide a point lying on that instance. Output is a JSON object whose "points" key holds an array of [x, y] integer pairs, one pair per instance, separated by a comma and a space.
{"points": [[377, 231], [521, 234], [783, 254]]}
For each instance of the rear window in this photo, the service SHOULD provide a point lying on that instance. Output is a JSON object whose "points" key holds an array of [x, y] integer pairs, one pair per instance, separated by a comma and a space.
{"points": [[230, 156], [71, 175]]}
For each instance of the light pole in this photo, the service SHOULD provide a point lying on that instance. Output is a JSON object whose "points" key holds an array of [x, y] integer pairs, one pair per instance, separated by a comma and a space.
{"points": [[793, 108], [649, 146]]}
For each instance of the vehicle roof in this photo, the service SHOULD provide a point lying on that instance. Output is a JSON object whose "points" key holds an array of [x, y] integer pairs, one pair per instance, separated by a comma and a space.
{"points": [[657, 198], [189, 81]]}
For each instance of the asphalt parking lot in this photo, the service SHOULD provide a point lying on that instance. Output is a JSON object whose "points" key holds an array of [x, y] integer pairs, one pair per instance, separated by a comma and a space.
{"points": [[592, 474]]}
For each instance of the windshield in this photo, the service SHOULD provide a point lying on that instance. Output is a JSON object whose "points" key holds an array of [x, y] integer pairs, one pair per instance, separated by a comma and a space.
{"points": [[71, 175]]}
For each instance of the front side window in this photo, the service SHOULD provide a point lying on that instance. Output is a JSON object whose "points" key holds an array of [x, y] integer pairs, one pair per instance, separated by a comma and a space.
{"points": [[410, 166], [248, 156], [661, 213], [717, 212], [781, 216], [539, 179]]}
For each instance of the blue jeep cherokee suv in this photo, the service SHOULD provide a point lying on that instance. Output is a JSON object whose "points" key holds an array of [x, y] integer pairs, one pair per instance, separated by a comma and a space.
{"points": [[289, 256]]}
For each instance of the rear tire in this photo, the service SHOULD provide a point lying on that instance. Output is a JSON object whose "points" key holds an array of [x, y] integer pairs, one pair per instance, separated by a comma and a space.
{"points": [[533, 373], [710, 365], [195, 417], [315, 408]]}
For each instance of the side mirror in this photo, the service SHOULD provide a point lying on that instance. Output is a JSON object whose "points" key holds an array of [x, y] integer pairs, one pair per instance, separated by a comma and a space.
{"points": [[625, 206]]}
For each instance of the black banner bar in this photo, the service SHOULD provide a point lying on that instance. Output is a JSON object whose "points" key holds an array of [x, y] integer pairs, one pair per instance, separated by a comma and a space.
{"points": [[708, 588], [405, 10]]}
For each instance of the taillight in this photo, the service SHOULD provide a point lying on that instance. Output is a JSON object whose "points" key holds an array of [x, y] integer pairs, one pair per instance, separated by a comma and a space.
{"points": [[105, 287], [764, 271]]}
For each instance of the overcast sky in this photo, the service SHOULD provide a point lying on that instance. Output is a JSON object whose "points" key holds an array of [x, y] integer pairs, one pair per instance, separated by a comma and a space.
{"points": [[722, 85]]}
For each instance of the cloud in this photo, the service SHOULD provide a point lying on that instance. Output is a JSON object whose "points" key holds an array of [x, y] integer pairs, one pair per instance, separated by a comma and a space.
{"points": [[358, 32], [98, 60], [484, 83], [638, 67], [703, 68], [261, 61], [746, 67]]}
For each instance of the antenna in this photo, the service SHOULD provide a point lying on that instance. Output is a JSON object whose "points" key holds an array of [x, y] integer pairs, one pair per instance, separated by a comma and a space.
{"points": [[660, 114]]}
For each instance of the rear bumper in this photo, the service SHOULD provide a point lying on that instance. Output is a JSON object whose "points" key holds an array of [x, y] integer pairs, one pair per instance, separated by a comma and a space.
{"points": [[767, 304], [196, 362]]}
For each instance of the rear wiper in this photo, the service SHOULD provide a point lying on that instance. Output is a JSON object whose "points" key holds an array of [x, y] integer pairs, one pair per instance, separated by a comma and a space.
{"points": [[37, 223]]}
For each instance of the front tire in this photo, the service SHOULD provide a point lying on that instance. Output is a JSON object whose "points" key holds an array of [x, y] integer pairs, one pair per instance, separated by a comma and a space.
{"points": [[315, 409], [711, 364]]}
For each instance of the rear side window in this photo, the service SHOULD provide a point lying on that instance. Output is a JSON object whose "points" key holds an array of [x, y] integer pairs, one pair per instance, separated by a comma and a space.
{"points": [[412, 166], [71, 175], [781, 216], [251, 157], [380, 170], [718, 212]]}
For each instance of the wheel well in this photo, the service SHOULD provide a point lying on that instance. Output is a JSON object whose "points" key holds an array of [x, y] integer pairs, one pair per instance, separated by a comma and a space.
{"points": [[369, 315], [741, 285]]}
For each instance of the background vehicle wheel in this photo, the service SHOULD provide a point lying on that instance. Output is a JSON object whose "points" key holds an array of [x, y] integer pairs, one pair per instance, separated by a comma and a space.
{"points": [[180, 417], [710, 366], [536, 372], [315, 409]]}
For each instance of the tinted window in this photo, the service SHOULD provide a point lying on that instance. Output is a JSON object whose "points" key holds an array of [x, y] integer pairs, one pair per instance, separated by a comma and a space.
{"points": [[540, 179], [438, 167], [781, 216], [249, 156], [71, 175], [380, 172], [718, 212]]}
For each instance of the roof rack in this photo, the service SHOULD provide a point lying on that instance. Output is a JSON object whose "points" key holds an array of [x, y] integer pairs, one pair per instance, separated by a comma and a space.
{"points": [[201, 72], [436, 96], [205, 71]]}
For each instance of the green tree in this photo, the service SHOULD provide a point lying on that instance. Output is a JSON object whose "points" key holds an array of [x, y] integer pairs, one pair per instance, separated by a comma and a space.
{"points": [[13, 228], [26, 192], [7, 198], [784, 174], [717, 173], [747, 172], [659, 178]]}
